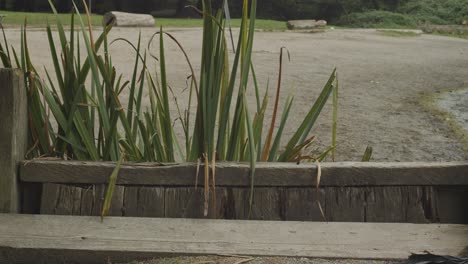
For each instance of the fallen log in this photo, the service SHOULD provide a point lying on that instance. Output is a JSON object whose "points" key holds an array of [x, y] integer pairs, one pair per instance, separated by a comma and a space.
{"points": [[306, 24], [122, 19]]}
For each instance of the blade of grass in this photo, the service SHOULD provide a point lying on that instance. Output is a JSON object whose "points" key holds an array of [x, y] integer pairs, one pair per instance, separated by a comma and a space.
{"points": [[266, 150], [111, 187], [367, 154], [279, 133], [303, 131], [335, 118]]}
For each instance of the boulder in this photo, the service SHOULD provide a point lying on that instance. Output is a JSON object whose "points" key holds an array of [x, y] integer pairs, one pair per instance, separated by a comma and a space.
{"points": [[306, 24], [123, 19]]}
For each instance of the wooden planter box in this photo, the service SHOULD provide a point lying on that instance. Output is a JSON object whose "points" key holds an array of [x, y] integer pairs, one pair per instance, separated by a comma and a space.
{"points": [[349, 191], [359, 192]]}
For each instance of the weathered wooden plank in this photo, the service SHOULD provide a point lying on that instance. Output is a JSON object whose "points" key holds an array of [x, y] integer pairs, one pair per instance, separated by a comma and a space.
{"points": [[150, 202], [237, 203], [69, 201], [87, 200], [181, 202], [71, 236], [116, 208], [386, 204], [267, 204], [98, 199], [452, 205], [267, 174], [13, 135], [345, 204], [301, 204], [416, 205], [397, 204], [49, 199], [130, 202]]}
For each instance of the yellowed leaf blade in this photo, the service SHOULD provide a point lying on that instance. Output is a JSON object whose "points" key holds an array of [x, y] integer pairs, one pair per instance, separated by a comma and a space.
{"points": [[317, 185], [111, 187]]}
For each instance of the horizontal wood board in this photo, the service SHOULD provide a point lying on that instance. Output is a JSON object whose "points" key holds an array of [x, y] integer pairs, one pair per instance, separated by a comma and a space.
{"points": [[413, 204], [267, 174], [78, 239]]}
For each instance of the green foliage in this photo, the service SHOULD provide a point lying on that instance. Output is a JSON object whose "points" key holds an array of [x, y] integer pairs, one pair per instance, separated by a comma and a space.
{"points": [[41, 19], [78, 114], [415, 11], [436, 12], [410, 13], [380, 19]]}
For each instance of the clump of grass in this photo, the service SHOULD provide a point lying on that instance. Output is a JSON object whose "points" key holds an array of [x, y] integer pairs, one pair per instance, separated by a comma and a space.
{"points": [[456, 31], [38, 19], [76, 111]]}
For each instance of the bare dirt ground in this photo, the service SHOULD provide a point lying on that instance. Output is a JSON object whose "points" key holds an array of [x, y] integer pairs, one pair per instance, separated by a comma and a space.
{"points": [[257, 260], [382, 81]]}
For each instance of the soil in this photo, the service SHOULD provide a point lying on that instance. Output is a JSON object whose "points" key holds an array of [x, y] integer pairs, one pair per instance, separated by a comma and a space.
{"points": [[382, 81], [257, 260]]}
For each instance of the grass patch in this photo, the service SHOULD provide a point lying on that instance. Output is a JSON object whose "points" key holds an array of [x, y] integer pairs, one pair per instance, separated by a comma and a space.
{"points": [[429, 102], [462, 36], [455, 31], [266, 24], [40, 19], [398, 33]]}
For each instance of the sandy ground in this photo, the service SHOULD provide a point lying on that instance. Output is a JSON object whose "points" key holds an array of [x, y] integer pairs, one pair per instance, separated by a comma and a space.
{"points": [[382, 81], [257, 260]]}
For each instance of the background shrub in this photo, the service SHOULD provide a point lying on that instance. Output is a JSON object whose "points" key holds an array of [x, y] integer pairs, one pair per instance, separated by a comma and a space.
{"points": [[377, 18], [355, 13]]}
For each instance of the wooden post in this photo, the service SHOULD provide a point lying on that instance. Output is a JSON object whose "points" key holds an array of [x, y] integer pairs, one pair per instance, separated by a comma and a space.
{"points": [[13, 136]]}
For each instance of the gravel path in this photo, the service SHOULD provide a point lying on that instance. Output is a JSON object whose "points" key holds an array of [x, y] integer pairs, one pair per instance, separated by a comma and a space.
{"points": [[382, 82]]}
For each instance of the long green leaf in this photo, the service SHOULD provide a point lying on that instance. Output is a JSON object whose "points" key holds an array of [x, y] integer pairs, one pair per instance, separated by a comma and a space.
{"points": [[303, 131], [111, 187]]}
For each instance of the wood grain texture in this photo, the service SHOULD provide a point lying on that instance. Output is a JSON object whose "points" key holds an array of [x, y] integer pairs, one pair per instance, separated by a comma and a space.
{"points": [[88, 195], [301, 204], [267, 174], [13, 135], [345, 204], [130, 202], [50, 194], [267, 204], [150, 202], [386, 204], [68, 237], [409, 204]]}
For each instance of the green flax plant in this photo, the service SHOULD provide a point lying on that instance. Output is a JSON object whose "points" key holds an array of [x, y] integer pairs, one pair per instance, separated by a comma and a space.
{"points": [[76, 112]]}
